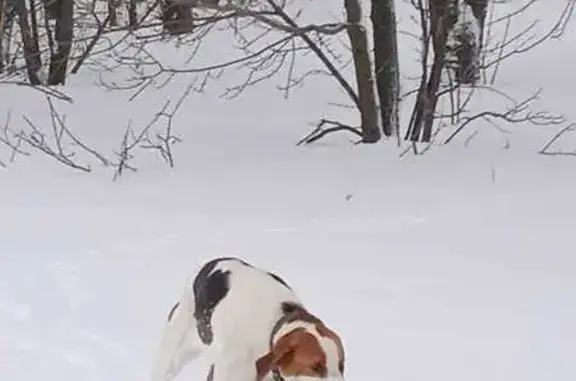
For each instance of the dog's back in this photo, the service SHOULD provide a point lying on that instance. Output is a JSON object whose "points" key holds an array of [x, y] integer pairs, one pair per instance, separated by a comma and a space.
{"points": [[229, 307], [237, 304]]}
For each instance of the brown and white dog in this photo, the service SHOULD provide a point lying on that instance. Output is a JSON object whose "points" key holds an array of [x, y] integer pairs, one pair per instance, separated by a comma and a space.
{"points": [[251, 324]]}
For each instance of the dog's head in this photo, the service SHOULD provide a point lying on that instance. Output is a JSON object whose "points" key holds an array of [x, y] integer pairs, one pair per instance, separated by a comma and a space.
{"points": [[304, 349]]}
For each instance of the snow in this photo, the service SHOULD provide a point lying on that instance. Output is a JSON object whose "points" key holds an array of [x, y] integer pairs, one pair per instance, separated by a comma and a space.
{"points": [[455, 265]]}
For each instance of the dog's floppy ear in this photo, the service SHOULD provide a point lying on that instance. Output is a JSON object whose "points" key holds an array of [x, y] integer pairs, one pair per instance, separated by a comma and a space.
{"points": [[264, 366], [279, 356]]}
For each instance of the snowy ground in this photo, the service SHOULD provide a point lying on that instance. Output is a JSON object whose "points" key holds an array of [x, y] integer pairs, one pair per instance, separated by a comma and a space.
{"points": [[456, 266]]}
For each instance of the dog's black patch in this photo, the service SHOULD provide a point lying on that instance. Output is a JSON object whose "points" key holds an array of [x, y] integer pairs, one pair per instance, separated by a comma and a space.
{"points": [[210, 287], [171, 314], [289, 307], [279, 280]]}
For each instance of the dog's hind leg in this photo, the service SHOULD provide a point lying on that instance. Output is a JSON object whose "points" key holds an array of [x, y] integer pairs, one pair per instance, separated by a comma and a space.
{"points": [[210, 376], [180, 343]]}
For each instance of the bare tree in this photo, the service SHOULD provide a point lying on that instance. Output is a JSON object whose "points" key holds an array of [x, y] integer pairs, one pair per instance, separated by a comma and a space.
{"points": [[177, 16], [112, 6], [31, 53], [465, 21], [4, 26], [364, 75], [434, 29], [383, 17], [270, 40], [64, 33], [57, 141], [439, 81], [267, 40]]}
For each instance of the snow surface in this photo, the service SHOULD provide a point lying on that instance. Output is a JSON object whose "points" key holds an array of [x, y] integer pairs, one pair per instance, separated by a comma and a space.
{"points": [[455, 266]]}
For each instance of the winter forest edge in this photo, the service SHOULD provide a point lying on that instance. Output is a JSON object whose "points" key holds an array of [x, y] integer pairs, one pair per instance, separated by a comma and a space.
{"points": [[410, 73]]}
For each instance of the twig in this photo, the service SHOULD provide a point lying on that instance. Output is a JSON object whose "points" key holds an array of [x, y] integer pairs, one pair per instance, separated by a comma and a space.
{"points": [[92, 43], [56, 145], [166, 140], [6, 139], [50, 91], [37, 140], [518, 113], [319, 132], [545, 149]]}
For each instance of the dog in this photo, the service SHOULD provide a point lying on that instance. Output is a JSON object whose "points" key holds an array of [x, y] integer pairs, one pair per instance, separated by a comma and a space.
{"points": [[252, 325]]}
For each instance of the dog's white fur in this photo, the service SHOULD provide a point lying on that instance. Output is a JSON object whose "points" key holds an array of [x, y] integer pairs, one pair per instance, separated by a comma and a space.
{"points": [[241, 324]]}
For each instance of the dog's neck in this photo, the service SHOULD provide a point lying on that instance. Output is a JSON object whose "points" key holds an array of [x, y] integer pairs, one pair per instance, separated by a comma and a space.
{"points": [[292, 314]]}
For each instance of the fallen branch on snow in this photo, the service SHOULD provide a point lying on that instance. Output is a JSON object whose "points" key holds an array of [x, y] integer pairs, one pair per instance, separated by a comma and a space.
{"points": [[319, 132]]}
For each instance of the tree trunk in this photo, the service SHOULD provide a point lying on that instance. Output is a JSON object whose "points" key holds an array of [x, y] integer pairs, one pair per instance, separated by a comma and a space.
{"points": [[422, 121], [479, 9], [363, 68], [132, 14], [466, 24], [112, 12], [31, 53], [7, 18], [177, 17], [52, 8], [383, 18], [34, 25], [63, 36], [439, 15], [2, 27]]}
